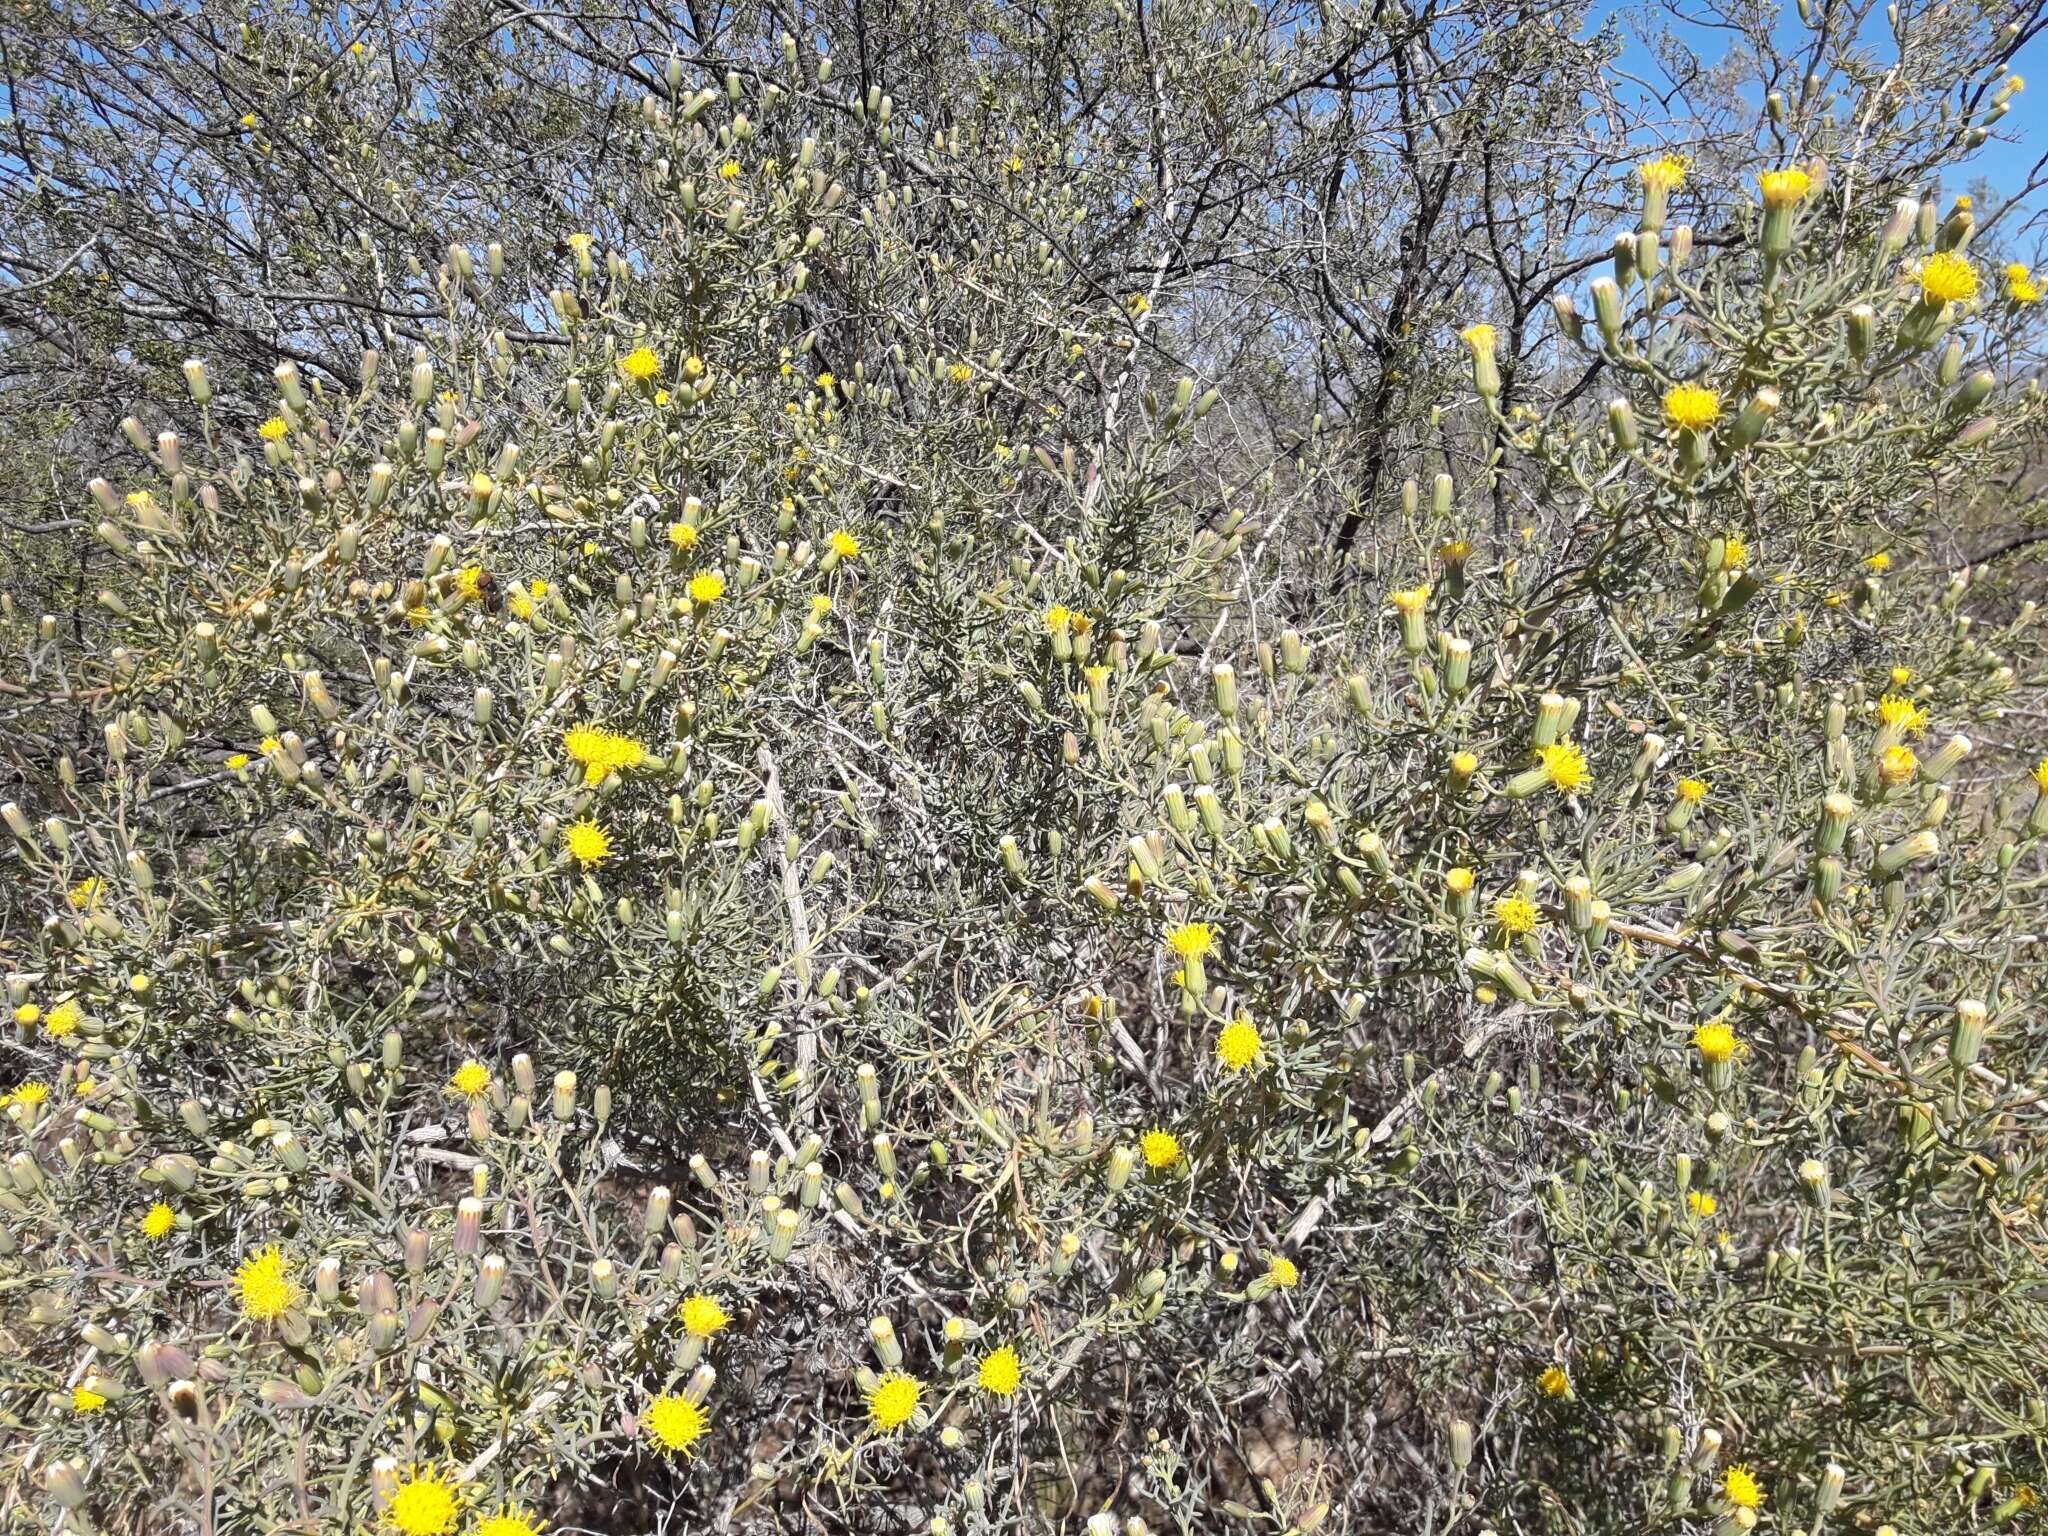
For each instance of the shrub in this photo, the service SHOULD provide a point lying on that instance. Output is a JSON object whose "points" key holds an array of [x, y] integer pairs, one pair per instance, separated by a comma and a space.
{"points": [[786, 884]]}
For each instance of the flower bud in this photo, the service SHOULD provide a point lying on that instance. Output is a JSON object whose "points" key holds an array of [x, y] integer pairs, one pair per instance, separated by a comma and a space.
{"points": [[1966, 1036], [490, 1281]]}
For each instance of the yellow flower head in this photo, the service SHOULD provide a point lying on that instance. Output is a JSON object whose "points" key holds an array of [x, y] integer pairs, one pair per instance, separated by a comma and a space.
{"points": [[266, 1285], [844, 544], [1901, 676], [274, 430], [826, 382], [158, 1222], [1480, 338], [1058, 619], [1411, 600], [86, 893], [730, 171], [581, 243], [1458, 880], [703, 1316], [510, 1520], [1947, 278], [424, 1504], [1282, 1272], [589, 844], [683, 536], [2041, 775], [1238, 1045], [1693, 791], [2020, 284], [1517, 914], [64, 1019], [1192, 941], [1786, 188], [1666, 172], [894, 1400], [1566, 766], [27, 1015], [640, 364], [1715, 1042], [1742, 1489], [1734, 553], [675, 1422], [1554, 1382], [1902, 714], [1897, 766], [707, 587], [469, 581], [1161, 1148], [1879, 562], [85, 1400], [472, 1080], [1700, 1203], [235, 762], [1000, 1372], [1692, 406], [30, 1094]]}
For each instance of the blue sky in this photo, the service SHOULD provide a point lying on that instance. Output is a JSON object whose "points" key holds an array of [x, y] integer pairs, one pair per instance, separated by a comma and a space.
{"points": [[2003, 161]]}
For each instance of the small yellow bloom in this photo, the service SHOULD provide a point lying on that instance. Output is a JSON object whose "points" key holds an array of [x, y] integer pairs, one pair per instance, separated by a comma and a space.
{"points": [[27, 1015], [1879, 562], [589, 844], [1000, 1371], [1902, 714], [1161, 1149], [894, 1401], [1692, 791], [1238, 1044], [472, 1080], [273, 430], [1058, 619], [1517, 914], [1480, 338], [640, 364], [510, 1520], [158, 1222], [730, 171], [1458, 880], [1192, 941], [2041, 775], [424, 1504], [703, 1317], [64, 1019], [1565, 764], [1666, 172], [1741, 1489], [235, 762], [675, 1422], [1715, 1042], [1692, 406], [707, 587], [1554, 1383], [86, 893], [29, 1094], [2020, 284], [826, 382], [1734, 553], [85, 1400], [844, 544], [1412, 600], [266, 1285], [1701, 1204], [1282, 1272], [683, 536], [1897, 766], [1786, 188], [1947, 278]]}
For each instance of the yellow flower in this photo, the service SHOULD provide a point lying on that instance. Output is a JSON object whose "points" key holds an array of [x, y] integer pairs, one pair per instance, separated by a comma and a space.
{"points": [[1784, 189], [588, 842], [1897, 766], [85, 1400], [661, 397], [1554, 1382], [675, 1422], [1000, 1371], [266, 1286], [26, 1093], [703, 1316], [1238, 1045], [1138, 304], [1458, 880], [640, 364], [270, 746], [1901, 676], [27, 1015], [730, 171], [86, 893], [1741, 1489], [158, 1221], [510, 1520], [2020, 285], [1692, 406], [581, 243], [1666, 171], [1692, 791], [1480, 338], [1701, 1204], [235, 762], [894, 1400], [64, 1019], [1734, 553], [1516, 914], [844, 544], [1411, 601], [1946, 278], [1878, 562], [826, 381], [1566, 766], [472, 1080], [424, 1504], [1282, 1272], [1058, 619], [1715, 1042], [601, 752], [1902, 714], [707, 587], [2041, 775], [1161, 1148], [961, 373], [1192, 941], [469, 581], [682, 536], [273, 430]]}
